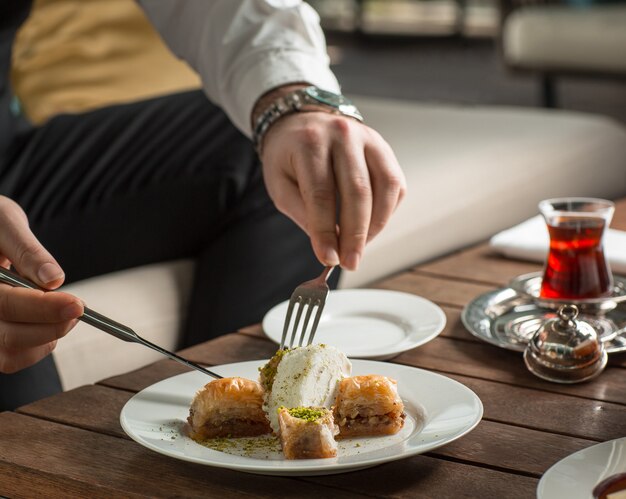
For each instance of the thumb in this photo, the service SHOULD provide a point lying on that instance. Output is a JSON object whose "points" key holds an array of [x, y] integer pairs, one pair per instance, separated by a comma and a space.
{"points": [[21, 247]]}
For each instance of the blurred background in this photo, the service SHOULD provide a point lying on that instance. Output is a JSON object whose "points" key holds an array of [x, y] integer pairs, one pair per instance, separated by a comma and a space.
{"points": [[452, 51], [74, 55]]}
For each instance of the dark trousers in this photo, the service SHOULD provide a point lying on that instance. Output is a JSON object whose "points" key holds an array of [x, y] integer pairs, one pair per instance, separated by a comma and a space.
{"points": [[151, 181]]}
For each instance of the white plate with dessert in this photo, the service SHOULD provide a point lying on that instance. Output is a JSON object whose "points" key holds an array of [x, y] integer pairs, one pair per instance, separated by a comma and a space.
{"points": [[374, 324], [311, 412], [597, 472]]}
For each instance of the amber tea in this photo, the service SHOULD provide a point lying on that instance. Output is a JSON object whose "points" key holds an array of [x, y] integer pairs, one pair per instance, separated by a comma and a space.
{"points": [[576, 266]]}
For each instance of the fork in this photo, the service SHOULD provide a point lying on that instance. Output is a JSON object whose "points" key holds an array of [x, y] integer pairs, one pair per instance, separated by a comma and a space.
{"points": [[105, 324], [309, 294]]}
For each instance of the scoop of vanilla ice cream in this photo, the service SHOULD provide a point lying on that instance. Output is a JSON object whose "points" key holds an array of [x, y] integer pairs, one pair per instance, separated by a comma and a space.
{"points": [[306, 377]]}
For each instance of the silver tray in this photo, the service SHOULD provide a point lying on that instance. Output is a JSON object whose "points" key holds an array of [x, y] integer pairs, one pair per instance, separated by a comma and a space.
{"points": [[530, 285], [507, 319]]}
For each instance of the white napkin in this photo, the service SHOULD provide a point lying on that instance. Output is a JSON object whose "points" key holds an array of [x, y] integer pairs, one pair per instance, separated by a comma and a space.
{"points": [[530, 241]]}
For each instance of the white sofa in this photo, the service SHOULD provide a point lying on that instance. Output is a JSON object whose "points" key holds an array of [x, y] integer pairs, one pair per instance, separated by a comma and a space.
{"points": [[472, 171]]}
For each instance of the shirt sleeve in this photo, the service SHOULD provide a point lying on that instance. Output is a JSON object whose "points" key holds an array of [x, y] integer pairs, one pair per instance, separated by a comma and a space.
{"points": [[244, 48]]}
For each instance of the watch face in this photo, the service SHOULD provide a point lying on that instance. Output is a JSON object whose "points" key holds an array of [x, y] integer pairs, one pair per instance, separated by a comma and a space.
{"points": [[325, 97], [333, 100]]}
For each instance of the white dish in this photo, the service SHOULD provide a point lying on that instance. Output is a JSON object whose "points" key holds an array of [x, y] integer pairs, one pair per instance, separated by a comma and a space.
{"points": [[439, 410], [575, 476], [369, 323]]}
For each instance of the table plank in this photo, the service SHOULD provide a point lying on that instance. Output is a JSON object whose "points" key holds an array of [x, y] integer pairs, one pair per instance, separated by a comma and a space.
{"points": [[556, 413], [443, 291], [477, 264], [617, 360], [143, 377], [72, 456], [85, 459], [484, 361], [254, 330], [512, 448], [72, 408], [619, 218], [230, 348], [424, 477], [24, 482]]}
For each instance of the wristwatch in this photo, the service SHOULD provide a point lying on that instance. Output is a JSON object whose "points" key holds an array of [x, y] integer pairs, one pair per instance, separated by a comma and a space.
{"points": [[295, 101]]}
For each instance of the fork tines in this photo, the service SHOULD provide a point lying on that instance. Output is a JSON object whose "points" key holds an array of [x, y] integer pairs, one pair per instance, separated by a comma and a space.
{"points": [[309, 295], [309, 304]]}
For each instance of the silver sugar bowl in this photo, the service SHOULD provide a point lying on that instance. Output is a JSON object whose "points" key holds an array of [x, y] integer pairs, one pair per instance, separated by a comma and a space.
{"points": [[565, 350]]}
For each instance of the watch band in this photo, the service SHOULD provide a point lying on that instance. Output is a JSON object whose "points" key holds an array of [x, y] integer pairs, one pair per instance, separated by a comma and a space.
{"points": [[293, 102]]}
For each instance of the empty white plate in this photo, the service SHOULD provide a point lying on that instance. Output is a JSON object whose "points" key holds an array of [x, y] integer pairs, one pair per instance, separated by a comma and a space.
{"points": [[369, 323]]}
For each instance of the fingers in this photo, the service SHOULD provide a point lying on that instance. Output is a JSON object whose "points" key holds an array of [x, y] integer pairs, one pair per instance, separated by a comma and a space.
{"points": [[30, 323], [288, 200], [317, 189], [22, 248], [13, 361], [17, 336], [355, 190], [388, 184], [31, 320], [34, 306]]}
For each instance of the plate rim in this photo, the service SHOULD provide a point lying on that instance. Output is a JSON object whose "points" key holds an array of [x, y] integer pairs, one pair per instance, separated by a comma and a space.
{"points": [[379, 354], [554, 468], [307, 466]]}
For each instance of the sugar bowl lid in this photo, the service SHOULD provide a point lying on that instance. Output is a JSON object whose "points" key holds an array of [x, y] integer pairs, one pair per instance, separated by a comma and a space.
{"points": [[565, 349]]}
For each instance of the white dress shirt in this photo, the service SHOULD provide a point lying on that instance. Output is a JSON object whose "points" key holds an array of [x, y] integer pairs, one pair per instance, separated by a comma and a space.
{"points": [[244, 48]]}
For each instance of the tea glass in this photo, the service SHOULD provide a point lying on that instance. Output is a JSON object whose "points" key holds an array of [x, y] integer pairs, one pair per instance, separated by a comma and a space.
{"points": [[576, 266]]}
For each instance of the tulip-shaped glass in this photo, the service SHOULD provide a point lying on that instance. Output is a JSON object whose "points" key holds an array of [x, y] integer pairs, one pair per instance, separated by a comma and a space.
{"points": [[576, 266]]}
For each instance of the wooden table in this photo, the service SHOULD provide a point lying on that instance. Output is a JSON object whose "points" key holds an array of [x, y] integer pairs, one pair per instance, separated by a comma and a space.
{"points": [[72, 444]]}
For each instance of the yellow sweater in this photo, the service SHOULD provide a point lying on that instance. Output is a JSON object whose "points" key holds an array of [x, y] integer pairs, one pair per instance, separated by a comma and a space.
{"points": [[76, 55]]}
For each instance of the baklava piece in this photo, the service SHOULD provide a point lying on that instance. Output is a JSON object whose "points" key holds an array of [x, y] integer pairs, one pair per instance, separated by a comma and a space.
{"points": [[307, 432], [303, 377], [228, 407], [368, 406]]}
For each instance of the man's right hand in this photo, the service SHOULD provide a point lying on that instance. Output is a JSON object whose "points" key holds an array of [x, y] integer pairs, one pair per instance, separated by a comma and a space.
{"points": [[31, 321]]}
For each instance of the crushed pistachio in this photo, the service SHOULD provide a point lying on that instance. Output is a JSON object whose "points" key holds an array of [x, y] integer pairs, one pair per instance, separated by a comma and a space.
{"points": [[258, 447], [310, 414], [268, 371]]}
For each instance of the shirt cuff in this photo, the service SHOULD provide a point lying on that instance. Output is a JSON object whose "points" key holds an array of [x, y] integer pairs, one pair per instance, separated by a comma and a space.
{"points": [[277, 68]]}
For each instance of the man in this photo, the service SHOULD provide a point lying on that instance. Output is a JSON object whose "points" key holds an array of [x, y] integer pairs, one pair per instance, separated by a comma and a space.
{"points": [[172, 177]]}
